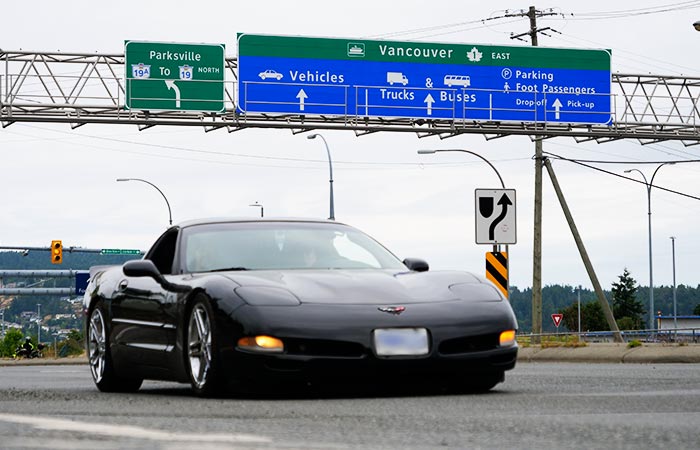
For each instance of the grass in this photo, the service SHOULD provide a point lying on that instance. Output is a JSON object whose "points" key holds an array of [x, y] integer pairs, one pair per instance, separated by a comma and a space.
{"points": [[570, 341], [634, 343]]}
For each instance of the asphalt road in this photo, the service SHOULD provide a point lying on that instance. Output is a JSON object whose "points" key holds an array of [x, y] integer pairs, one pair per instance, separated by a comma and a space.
{"points": [[540, 406]]}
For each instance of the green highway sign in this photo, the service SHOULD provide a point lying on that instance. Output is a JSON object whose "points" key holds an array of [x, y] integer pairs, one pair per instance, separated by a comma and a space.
{"points": [[119, 251], [174, 77]]}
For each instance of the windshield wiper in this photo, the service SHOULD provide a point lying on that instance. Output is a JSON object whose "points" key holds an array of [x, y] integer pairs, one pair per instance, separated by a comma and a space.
{"points": [[227, 269]]}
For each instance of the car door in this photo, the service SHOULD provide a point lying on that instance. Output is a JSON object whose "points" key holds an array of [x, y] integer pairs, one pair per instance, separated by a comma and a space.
{"points": [[143, 318]]}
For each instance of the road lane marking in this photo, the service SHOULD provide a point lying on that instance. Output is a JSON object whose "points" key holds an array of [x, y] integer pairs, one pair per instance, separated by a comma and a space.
{"points": [[129, 431]]}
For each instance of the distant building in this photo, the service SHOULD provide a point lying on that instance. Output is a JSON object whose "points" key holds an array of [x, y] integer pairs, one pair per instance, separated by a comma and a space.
{"points": [[64, 316], [684, 324]]}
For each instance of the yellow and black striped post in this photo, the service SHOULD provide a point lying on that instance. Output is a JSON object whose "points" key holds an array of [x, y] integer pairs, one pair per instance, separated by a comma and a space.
{"points": [[497, 270]]}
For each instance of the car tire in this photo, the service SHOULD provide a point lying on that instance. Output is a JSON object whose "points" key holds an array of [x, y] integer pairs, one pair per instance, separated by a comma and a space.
{"points": [[100, 356], [201, 348]]}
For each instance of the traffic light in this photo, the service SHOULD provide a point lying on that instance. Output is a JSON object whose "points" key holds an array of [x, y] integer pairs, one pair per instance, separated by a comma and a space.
{"points": [[56, 252]]}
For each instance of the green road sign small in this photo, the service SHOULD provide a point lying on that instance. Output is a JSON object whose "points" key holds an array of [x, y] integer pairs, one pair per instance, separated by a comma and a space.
{"points": [[174, 77], [119, 251]]}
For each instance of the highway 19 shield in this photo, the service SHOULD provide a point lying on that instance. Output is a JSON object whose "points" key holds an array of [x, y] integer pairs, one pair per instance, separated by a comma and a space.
{"points": [[495, 216]]}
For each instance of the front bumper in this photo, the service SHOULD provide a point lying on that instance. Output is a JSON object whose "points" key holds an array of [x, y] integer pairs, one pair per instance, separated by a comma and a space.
{"points": [[249, 366]]}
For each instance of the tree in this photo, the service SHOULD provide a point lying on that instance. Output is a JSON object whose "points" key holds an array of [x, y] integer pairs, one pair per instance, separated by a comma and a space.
{"points": [[625, 303], [73, 345], [13, 338], [592, 317], [696, 311]]}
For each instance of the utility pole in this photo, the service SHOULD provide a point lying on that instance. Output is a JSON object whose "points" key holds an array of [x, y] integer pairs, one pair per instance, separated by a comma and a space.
{"points": [[533, 14], [605, 306]]}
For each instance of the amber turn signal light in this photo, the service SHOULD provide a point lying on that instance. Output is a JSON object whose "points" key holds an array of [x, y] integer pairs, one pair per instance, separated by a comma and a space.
{"points": [[507, 338], [261, 344]]}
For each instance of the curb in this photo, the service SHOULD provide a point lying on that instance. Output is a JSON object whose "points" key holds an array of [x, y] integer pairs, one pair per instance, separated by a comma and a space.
{"points": [[6, 362], [614, 353], [649, 353]]}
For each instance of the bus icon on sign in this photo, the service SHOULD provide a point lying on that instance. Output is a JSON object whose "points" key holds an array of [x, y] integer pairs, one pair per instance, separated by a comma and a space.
{"points": [[457, 80]]}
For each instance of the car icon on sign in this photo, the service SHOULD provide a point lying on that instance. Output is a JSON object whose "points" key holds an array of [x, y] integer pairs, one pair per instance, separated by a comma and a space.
{"points": [[269, 73]]}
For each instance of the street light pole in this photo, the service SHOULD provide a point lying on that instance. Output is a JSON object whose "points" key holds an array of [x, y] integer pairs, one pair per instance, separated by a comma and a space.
{"points": [[579, 311], [673, 253], [170, 215], [330, 169], [38, 323], [649, 184], [431, 151], [256, 204]]}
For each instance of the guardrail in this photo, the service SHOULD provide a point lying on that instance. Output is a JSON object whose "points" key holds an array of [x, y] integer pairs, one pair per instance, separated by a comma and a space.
{"points": [[678, 335]]}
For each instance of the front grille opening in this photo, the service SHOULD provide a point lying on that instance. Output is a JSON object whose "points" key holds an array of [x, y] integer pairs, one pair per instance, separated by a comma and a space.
{"points": [[322, 347], [469, 344]]}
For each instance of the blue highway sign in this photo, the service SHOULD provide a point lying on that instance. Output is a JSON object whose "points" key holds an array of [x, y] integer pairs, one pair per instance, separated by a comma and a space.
{"points": [[419, 80]]}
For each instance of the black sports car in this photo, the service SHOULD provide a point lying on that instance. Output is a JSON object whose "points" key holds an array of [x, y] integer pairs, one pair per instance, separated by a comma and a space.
{"points": [[233, 302]]}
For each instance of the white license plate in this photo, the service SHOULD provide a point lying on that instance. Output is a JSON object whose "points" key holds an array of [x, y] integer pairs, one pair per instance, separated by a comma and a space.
{"points": [[401, 341]]}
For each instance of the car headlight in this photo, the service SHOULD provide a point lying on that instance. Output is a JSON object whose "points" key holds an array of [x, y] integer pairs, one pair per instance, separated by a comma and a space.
{"points": [[267, 296], [507, 338], [476, 292], [261, 343]]}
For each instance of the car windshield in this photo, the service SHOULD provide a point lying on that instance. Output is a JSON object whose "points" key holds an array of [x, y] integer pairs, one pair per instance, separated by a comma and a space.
{"points": [[281, 245]]}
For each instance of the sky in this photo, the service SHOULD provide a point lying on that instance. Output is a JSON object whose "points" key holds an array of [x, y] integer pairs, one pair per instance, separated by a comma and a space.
{"points": [[60, 183]]}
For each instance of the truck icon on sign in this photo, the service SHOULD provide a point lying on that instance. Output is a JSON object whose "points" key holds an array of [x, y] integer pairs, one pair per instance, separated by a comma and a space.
{"points": [[396, 77]]}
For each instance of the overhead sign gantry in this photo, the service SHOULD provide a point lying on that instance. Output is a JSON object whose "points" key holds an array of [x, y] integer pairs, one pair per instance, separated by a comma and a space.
{"points": [[419, 80]]}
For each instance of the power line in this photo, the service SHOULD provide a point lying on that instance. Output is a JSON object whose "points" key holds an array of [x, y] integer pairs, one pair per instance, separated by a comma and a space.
{"points": [[644, 58], [592, 161], [555, 14], [584, 164], [602, 15], [373, 165]]}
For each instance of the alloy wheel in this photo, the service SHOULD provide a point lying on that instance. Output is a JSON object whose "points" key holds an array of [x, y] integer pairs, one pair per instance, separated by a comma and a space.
{"points": [[199, 345], [97, 345]]}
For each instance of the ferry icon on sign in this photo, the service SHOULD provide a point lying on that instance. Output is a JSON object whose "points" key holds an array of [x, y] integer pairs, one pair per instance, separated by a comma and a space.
{"points": [[356, 49]]}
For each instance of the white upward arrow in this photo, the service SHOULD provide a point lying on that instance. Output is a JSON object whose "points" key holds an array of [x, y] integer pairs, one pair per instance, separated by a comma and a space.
{"points": [[557, 104], [301, 96], [171, 85], [429, 100]]}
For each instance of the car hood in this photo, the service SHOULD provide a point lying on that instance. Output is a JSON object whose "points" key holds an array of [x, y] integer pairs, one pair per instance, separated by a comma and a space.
{"points": [[375, 287]]}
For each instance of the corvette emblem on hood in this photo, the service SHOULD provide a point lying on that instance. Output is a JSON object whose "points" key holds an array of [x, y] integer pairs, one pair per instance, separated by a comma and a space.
{"points": [[392, 309]]}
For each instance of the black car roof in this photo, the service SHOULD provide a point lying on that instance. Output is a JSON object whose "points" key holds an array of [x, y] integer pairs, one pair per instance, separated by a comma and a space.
{"points": [[202, 221]]}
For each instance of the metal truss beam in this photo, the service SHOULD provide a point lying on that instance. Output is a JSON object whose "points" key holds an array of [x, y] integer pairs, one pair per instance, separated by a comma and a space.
{"points": [[79, 89]]}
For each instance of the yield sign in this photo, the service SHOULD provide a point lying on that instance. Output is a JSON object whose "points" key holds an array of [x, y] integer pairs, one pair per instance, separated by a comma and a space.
{"points": [[556, 318]]}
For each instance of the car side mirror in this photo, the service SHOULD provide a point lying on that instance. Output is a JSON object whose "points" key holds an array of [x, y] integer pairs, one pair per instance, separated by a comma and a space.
{"points": [[416, 265], [146, 268], [141, 268]]}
